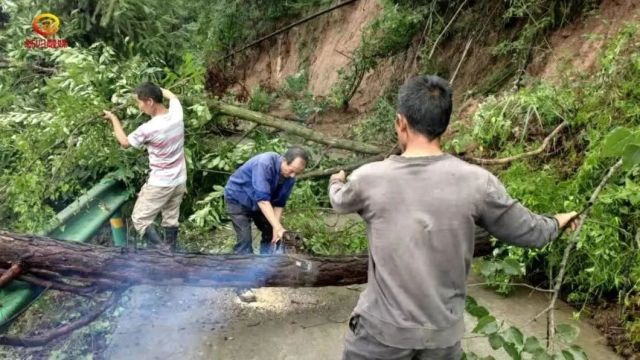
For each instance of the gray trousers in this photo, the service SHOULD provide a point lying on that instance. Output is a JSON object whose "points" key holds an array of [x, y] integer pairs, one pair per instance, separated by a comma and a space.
{"points": [[360, 345]]}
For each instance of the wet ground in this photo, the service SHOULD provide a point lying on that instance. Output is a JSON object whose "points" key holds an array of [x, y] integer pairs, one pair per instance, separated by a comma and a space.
{"points": [[307, 323]]}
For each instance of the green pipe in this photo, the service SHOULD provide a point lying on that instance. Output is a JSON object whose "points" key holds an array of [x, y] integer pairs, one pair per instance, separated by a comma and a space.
{"points": [[118, 231], [77, 222]]}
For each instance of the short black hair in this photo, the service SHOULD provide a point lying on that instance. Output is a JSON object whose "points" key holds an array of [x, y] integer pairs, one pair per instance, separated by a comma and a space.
{"points": [[295, 152], [425, 101], [147, 90]]}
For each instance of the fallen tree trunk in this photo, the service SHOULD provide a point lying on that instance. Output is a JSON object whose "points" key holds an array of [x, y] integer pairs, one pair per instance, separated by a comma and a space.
{"points": [[80, 268], [116, 267], [87, 270], [318, 137], [292, 128]]}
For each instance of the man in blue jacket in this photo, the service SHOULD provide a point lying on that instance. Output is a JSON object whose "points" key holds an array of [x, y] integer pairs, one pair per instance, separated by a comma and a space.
{"points": [[258, 191]]}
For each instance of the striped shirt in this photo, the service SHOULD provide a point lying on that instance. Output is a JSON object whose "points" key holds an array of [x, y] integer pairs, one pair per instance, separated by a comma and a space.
{"points": [[163, 137]]}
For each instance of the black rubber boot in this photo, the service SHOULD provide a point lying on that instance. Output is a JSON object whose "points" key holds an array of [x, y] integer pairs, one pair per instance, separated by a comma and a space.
{"points": [[152, 236], [171, 237]]}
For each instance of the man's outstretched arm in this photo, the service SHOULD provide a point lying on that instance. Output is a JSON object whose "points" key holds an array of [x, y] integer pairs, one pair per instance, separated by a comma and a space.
{"points": [[117, 129], [511, 222]]}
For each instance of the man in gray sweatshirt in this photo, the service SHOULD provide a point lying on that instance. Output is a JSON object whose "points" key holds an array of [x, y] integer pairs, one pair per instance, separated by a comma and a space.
{"points": [[421, 209]]}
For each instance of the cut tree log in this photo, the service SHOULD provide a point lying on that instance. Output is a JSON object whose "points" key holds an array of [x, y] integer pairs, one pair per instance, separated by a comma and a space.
{"points": [[87, 270], [92, 264], [77, 267], [293, 128]]}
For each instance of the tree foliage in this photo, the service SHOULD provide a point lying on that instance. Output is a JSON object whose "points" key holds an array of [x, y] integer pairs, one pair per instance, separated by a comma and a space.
{"points": [[54, 145]]}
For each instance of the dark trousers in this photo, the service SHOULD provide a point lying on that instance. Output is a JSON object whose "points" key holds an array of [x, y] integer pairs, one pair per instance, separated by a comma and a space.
{"points": [[241, 218]]}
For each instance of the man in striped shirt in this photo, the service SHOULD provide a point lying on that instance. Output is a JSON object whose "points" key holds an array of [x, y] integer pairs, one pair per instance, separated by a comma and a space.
{"points": [[163, 136]]}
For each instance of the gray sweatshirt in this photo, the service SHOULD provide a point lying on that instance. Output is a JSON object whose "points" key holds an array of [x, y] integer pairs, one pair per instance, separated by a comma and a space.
{"points": [[420, 214]]}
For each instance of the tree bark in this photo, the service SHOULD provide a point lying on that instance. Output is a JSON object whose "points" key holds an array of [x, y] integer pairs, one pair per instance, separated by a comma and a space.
{"points": [[79, 266], [92, 263], [292, 128], [10, 274]]}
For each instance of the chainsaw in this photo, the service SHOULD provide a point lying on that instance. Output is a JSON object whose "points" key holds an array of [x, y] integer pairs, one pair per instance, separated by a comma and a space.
{"points": [[291, 243]]}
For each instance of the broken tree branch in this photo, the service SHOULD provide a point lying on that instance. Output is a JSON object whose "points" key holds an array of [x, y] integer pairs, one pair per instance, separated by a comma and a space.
{"points": [[10, 274], [464, 54], [343, 54], [534, 288], [567, 251], [540, 149], [347, 167], [39, 340], [36, 68], [335, 169], [435, 43], [292, 128], [427, 26], [42, 69], [85, 291]]}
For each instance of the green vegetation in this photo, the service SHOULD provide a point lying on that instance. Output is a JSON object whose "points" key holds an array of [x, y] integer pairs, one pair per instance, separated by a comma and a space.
{"points": [[606, 260], [260, 100], [378, 125], [303, 104], [324, 235], [54, 144], [515, 343]]}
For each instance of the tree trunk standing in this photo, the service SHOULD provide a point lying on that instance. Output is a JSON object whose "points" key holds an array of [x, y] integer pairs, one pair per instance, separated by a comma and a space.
{"points": [[67, 264]]}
